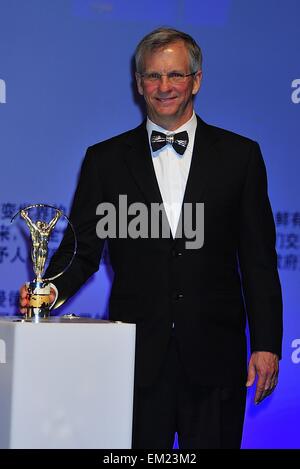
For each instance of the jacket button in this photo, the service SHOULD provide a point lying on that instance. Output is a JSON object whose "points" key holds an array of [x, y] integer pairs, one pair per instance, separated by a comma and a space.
{"points": [[179, 296], [176, 253]]}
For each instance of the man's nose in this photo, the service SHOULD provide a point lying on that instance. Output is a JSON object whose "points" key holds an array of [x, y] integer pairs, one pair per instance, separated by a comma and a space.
{"points": [[164, 84]]}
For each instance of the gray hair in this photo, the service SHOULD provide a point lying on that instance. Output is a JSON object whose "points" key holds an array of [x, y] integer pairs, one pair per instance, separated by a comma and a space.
{"points": [[163, 36]]}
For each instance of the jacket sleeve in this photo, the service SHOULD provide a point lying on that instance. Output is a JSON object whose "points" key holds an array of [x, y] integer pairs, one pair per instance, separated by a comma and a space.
{"points": [[89, 247], [258, 259]]}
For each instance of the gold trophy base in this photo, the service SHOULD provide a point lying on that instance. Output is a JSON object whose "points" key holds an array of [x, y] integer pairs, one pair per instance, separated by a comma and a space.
{"points": [[39, 300]]}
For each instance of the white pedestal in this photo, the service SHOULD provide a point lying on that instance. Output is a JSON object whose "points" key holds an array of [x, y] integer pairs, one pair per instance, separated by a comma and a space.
{"points": [[66, 384]]}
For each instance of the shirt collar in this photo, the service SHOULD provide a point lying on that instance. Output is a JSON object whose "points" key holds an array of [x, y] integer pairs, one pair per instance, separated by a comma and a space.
{"points": [[189, 126]]}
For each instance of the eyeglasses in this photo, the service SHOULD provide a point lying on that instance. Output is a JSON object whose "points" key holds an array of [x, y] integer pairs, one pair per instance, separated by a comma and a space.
{"points": [[173, 77]]}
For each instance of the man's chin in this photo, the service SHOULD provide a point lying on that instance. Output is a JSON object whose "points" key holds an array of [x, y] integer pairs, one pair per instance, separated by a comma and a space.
{"points": [[166, 110]]}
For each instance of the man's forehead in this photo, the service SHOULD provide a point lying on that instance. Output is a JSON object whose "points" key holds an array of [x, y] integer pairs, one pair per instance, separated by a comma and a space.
{"points": [[173, 52], [168, 47]]}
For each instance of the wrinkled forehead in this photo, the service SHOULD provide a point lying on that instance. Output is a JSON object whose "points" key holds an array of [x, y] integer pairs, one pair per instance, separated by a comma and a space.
{"points": [[167, 56], [158, 46], [168, 47]]}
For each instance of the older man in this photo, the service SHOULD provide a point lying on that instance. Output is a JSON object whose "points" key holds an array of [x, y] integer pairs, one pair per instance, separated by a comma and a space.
{"points": [[189, 305]]}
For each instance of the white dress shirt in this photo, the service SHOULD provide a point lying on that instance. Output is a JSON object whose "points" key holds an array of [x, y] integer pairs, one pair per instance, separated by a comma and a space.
{"points": [[172, 169]]}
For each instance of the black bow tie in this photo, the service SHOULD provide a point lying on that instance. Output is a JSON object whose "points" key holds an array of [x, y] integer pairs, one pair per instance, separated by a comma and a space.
{"points": [[178, 141]]}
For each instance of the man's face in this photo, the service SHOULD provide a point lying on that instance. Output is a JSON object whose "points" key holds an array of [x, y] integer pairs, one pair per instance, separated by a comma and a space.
{"points": [[169, 105]]}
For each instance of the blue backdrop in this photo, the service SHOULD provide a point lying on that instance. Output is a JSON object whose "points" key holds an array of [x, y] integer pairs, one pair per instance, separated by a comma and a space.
{"points": [[66, 83]]}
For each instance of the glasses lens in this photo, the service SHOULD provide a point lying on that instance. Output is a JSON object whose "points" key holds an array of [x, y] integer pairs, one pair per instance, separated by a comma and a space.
{"points": [[176, 77], [151, 76]]}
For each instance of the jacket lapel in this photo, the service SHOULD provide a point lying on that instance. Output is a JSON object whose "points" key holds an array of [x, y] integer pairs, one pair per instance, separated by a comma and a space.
{"points": [[139, 161], [203, 165]]}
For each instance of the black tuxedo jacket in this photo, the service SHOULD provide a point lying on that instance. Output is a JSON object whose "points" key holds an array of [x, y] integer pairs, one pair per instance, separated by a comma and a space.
{"points": [[206, 293]]}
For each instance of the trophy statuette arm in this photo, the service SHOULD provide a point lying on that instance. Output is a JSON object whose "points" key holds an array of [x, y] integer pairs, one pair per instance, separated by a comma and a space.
{"points": [[54, 220], [28, 220]]}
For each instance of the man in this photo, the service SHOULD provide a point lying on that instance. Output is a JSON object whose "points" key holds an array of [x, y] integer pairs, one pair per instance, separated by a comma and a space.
{"points": [[189, 305]]}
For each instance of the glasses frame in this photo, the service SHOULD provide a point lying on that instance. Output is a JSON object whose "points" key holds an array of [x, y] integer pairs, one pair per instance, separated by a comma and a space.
{"points": [[155, 80]]}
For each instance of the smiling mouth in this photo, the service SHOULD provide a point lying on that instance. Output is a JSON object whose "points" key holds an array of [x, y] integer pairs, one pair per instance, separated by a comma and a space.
{"points": [[166, 100]]}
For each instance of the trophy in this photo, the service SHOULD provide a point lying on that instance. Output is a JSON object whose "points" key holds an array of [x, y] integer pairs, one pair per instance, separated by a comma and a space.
{"points": [[39, 288]]}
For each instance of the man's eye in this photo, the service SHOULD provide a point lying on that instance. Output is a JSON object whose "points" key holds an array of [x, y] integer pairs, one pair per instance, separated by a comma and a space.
{"points": [[175, 75], [153, 76]]}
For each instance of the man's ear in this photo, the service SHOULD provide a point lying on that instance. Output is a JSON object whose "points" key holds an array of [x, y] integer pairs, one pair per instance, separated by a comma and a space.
{"points": [[139, 83], [197, 82]]}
